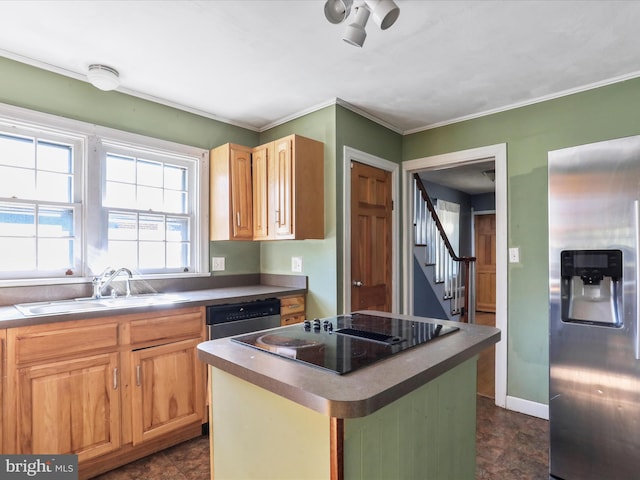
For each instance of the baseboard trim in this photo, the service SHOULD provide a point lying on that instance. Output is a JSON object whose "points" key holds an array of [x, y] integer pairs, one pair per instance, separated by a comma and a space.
{"points": [[528, 407]]}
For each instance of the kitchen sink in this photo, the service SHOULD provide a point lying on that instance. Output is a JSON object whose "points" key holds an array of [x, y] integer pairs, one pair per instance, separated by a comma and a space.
{"points": [[80, 305]]}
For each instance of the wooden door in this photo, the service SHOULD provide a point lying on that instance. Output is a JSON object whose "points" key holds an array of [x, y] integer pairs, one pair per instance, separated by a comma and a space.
{"points": [[70, 407], [283, 188], [167, 392], [260, 161], [241, 188], [371, 210], [485, 241]]}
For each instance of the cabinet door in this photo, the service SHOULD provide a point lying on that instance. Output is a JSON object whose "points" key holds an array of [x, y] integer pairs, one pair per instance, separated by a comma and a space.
{"points": [[283, 188], [168, 390], [69, 407], [241, 203], [260, 169]]}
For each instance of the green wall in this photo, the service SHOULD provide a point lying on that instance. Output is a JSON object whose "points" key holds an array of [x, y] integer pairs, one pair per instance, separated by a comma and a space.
{"points": [[530, 132], [29, 87], [355, 131], [318, 256]]}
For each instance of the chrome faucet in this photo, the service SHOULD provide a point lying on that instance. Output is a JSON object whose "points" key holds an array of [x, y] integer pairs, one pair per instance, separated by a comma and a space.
{"points": [[102, 281]]}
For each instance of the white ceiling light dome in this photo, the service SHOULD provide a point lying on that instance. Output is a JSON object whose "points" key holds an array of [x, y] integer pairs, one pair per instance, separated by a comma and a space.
{"points": [[103, 77]]}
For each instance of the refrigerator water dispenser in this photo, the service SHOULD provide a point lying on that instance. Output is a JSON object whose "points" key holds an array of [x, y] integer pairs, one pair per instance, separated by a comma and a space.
{"points": [[590, 287]]}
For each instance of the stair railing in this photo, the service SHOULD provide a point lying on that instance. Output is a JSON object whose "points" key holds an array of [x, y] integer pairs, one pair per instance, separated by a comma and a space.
{"points": [[449, 268]]}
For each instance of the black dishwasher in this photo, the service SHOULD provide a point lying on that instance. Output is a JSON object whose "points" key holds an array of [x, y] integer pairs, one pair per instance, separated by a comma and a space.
{"points": [[231, 319]]}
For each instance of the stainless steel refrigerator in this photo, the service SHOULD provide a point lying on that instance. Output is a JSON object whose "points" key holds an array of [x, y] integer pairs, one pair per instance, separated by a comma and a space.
{"points": [[594, 341]]}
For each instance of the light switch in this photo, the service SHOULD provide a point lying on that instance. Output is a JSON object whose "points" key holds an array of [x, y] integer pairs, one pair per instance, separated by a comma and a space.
{"points": [[514, 255]]}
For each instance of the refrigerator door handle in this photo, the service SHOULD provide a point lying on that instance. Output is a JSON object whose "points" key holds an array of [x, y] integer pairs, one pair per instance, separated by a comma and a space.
{"points": [[636, 222]]}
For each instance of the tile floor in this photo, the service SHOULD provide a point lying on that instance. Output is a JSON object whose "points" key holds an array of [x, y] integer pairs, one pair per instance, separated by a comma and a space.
{"points": [[510, 446]]}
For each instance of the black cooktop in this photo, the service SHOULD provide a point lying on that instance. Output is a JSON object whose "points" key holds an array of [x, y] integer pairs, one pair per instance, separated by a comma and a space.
{"points": [[345, 343]]}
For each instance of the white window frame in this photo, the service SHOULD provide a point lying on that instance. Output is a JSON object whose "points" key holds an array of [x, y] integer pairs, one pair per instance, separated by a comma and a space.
{"points": [[93, 232], [78, 145]]}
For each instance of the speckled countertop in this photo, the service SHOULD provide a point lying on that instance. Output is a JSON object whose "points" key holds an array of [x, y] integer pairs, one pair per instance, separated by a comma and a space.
{"points": [[358, 393], [11, 316]]}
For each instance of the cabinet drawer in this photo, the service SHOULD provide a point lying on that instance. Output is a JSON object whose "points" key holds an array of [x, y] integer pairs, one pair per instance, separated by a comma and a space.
{"points": [[290, 305], [292, 319], [45, 342], [168, 327]]}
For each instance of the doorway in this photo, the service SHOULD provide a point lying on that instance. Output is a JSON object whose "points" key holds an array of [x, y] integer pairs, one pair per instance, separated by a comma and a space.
{"points": [[484, 249], [499, 155]]}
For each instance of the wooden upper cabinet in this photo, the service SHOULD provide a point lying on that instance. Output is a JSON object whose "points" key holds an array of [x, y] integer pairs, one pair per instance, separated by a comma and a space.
{"points": [[231, 206], [295, 189], [271, 192], [283, 187], [262, 166]]}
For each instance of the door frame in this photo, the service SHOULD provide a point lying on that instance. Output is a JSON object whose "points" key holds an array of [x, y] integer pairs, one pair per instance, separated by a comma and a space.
{"points": [[353, 155], [448, 160]]}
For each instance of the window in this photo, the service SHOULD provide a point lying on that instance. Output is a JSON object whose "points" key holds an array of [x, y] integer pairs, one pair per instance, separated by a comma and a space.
{"points": [[449, 215], [40, 185], [148, 204], [76, 199]]}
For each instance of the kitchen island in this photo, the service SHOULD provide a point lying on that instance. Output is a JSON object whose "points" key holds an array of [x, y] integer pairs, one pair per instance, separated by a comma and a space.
{"points": [[411, 415]]}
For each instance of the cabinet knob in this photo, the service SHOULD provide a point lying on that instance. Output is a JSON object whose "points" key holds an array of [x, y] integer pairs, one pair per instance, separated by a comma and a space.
{"points": [[357, 283]]}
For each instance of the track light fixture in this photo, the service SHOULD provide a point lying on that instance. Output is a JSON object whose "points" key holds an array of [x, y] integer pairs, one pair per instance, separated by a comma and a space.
{"points": [[355, 34], [337, 11], [383, 12]]}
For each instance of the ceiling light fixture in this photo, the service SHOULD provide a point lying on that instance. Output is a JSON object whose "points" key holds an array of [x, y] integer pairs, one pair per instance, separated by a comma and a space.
{"points": [[490, 174], [337, 11], [355, 34], [103, 77], [384, 13]]}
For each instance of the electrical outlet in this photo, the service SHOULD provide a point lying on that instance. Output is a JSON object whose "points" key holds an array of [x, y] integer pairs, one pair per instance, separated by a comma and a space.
{"points": [[296, 264], [514, 255], [217, 264]]}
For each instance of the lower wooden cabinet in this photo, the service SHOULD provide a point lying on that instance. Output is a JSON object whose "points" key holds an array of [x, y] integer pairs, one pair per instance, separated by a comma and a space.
{"points": [[292, 310], [168, 386], [71, 406], [109, 390]]}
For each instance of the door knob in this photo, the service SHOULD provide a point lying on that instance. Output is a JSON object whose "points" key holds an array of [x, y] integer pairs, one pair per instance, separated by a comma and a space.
{"points": [[357, 283]]}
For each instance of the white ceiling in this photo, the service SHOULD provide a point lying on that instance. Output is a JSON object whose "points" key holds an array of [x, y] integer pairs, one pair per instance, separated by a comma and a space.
{"points": [[470, 178], [258, 63]]}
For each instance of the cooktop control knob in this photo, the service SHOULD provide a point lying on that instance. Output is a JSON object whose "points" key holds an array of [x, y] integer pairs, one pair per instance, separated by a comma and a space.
{"points": [[316, 324], [325, 325], [307, 325]]}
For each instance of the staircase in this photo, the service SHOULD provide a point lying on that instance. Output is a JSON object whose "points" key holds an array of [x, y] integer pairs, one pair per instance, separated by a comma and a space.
{"points": [[450, 276]]}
